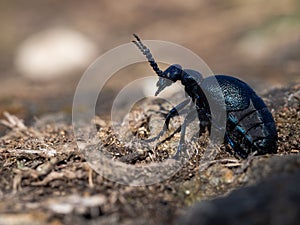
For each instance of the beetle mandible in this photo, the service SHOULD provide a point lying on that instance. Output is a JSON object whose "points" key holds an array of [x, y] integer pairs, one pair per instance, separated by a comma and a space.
{"points": [[250, 127]]}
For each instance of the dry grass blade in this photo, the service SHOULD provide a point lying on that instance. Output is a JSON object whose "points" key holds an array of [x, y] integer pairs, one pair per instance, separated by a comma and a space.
{"points": [[12, 122]]}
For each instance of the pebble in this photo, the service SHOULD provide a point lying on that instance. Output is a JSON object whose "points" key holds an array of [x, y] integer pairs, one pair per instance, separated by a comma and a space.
{"points": [[54, 53]]}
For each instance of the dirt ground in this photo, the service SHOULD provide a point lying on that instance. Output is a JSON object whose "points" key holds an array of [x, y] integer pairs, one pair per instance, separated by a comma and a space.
{"points": [[45, 178]]}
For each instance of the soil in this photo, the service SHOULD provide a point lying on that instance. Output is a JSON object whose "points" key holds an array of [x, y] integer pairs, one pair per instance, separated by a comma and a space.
{"points": [[45, 179]]}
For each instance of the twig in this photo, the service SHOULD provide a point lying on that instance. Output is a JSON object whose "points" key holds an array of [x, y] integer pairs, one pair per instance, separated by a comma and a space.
{"points": [[47, 152]]}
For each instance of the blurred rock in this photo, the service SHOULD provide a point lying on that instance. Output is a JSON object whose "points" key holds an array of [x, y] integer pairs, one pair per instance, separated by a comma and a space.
{"points": [[274, 201], [54, 53]]}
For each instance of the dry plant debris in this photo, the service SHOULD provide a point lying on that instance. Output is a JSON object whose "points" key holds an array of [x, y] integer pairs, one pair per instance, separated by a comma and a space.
{"points": [[46, 180]]}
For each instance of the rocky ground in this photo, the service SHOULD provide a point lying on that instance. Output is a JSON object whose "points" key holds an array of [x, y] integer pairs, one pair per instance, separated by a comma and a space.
{"points": [[45, 179]]}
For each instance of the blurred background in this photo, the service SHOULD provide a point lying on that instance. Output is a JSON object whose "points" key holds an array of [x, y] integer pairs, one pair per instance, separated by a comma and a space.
{"points": [[45, 46]]}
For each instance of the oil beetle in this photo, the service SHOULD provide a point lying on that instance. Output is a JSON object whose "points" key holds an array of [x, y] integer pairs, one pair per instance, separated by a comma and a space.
{"points": [[250, 127]]}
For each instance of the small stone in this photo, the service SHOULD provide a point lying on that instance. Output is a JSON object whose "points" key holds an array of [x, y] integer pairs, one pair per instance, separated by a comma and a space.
{"points": [[187, 192], [54, 53]]}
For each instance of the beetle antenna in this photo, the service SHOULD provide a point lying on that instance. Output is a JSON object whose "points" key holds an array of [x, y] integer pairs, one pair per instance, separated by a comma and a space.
{"points": [[146, 51]]}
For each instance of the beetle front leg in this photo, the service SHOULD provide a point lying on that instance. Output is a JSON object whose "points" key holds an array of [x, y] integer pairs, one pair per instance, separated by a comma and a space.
{"points": [[172, 113]]}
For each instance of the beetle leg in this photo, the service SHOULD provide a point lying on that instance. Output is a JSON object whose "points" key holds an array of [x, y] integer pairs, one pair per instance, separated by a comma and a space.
{"points": [[172, 113], [204, 121], [235, 148], [191, 116]]}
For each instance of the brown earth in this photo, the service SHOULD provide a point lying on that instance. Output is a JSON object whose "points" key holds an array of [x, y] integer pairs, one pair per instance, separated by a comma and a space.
{"points": [[46, 180]]}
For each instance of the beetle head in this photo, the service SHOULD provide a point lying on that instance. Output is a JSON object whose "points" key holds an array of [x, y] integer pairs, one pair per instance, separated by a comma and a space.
{"points": [[168, 77]]}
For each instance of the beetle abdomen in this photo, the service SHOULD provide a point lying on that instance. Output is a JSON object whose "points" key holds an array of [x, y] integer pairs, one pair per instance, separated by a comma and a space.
{"points": [[251, 128], [253, 132]]}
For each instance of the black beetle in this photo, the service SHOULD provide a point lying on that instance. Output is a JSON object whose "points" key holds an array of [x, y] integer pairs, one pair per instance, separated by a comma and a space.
{"points": [[250, 127]]}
